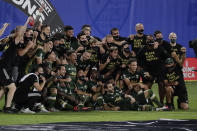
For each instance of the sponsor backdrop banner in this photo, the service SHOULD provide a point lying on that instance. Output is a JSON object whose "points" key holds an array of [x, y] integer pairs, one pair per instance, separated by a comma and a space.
{"points": [[188, 69], [48, 16]]}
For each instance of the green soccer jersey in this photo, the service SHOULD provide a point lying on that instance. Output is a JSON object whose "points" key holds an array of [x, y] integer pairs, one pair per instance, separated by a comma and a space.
{"points": [[82, 87], [32, 64], [71, 44], [91, 84], [71, 71], [133, 77]]}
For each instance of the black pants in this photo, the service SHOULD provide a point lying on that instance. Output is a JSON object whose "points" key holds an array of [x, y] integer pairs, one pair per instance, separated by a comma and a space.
{"points": [[25, 101]]}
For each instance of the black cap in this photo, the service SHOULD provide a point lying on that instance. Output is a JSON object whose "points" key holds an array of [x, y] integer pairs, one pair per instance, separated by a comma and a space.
{"points": [[169, 61]]}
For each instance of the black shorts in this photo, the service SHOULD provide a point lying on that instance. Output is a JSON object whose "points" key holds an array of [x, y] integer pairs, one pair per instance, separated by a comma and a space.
{"points": [[181, 92], [5, 78]]}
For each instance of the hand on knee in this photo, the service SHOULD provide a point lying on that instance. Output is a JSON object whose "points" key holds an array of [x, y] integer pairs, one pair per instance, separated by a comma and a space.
{"points": [[12, 87]]}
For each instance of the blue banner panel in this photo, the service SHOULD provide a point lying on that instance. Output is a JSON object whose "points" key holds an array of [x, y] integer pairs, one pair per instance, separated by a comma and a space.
{"points": [[179, 16]]}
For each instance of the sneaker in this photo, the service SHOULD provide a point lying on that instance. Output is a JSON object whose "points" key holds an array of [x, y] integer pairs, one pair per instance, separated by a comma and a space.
{"points": [[164, 108], [98, 108], [53, 110], [43, 109], [27, 110]]}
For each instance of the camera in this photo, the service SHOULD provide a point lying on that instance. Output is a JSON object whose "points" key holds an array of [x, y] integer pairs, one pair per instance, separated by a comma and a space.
{"points": [[193, 44]]}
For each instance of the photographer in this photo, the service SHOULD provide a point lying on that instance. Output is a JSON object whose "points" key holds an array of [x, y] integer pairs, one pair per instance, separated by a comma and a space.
{"points": [[27, 98]]}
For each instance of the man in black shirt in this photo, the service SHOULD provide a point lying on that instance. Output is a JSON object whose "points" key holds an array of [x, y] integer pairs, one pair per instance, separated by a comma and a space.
{"points": [[151, 59], [175, 84], [175, 47], [163, 43], [138, 41], [6, 63], [167, 48], [28, 94], [116, 35], [110, 64]]}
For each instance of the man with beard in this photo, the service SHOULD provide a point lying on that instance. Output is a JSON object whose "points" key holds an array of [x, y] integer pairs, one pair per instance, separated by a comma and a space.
{"points": [[175, 84], [28, 94], [71, 42], [138, 41], [83, 43]]}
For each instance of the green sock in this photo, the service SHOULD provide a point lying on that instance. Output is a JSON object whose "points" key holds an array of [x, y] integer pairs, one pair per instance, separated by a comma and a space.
{"points": [[156, 101]]}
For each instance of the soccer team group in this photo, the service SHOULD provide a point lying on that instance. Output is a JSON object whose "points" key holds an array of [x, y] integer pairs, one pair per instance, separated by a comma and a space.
{"points": [[48, 73]]}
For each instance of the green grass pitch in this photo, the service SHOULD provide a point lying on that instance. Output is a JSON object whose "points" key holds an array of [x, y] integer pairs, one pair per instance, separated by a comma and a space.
{"points": [[93, 116]]}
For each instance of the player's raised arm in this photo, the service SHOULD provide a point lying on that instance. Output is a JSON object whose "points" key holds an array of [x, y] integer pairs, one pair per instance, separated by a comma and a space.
{"points": [[5, 25]]}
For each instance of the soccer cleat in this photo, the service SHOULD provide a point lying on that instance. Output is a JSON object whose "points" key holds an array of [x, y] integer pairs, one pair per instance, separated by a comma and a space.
{"points": [[43, 109], [53, 110], [86, 109], [9, 110], [75, 108], [164, 108], [27, 110]]}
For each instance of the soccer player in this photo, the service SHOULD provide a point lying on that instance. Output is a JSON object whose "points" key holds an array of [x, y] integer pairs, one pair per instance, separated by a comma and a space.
{"points": [[175, 84], [131, 76]]}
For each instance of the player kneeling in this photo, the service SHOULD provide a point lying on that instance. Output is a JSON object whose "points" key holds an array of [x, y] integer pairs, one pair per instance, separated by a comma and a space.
{"points": [[175, 84]]}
